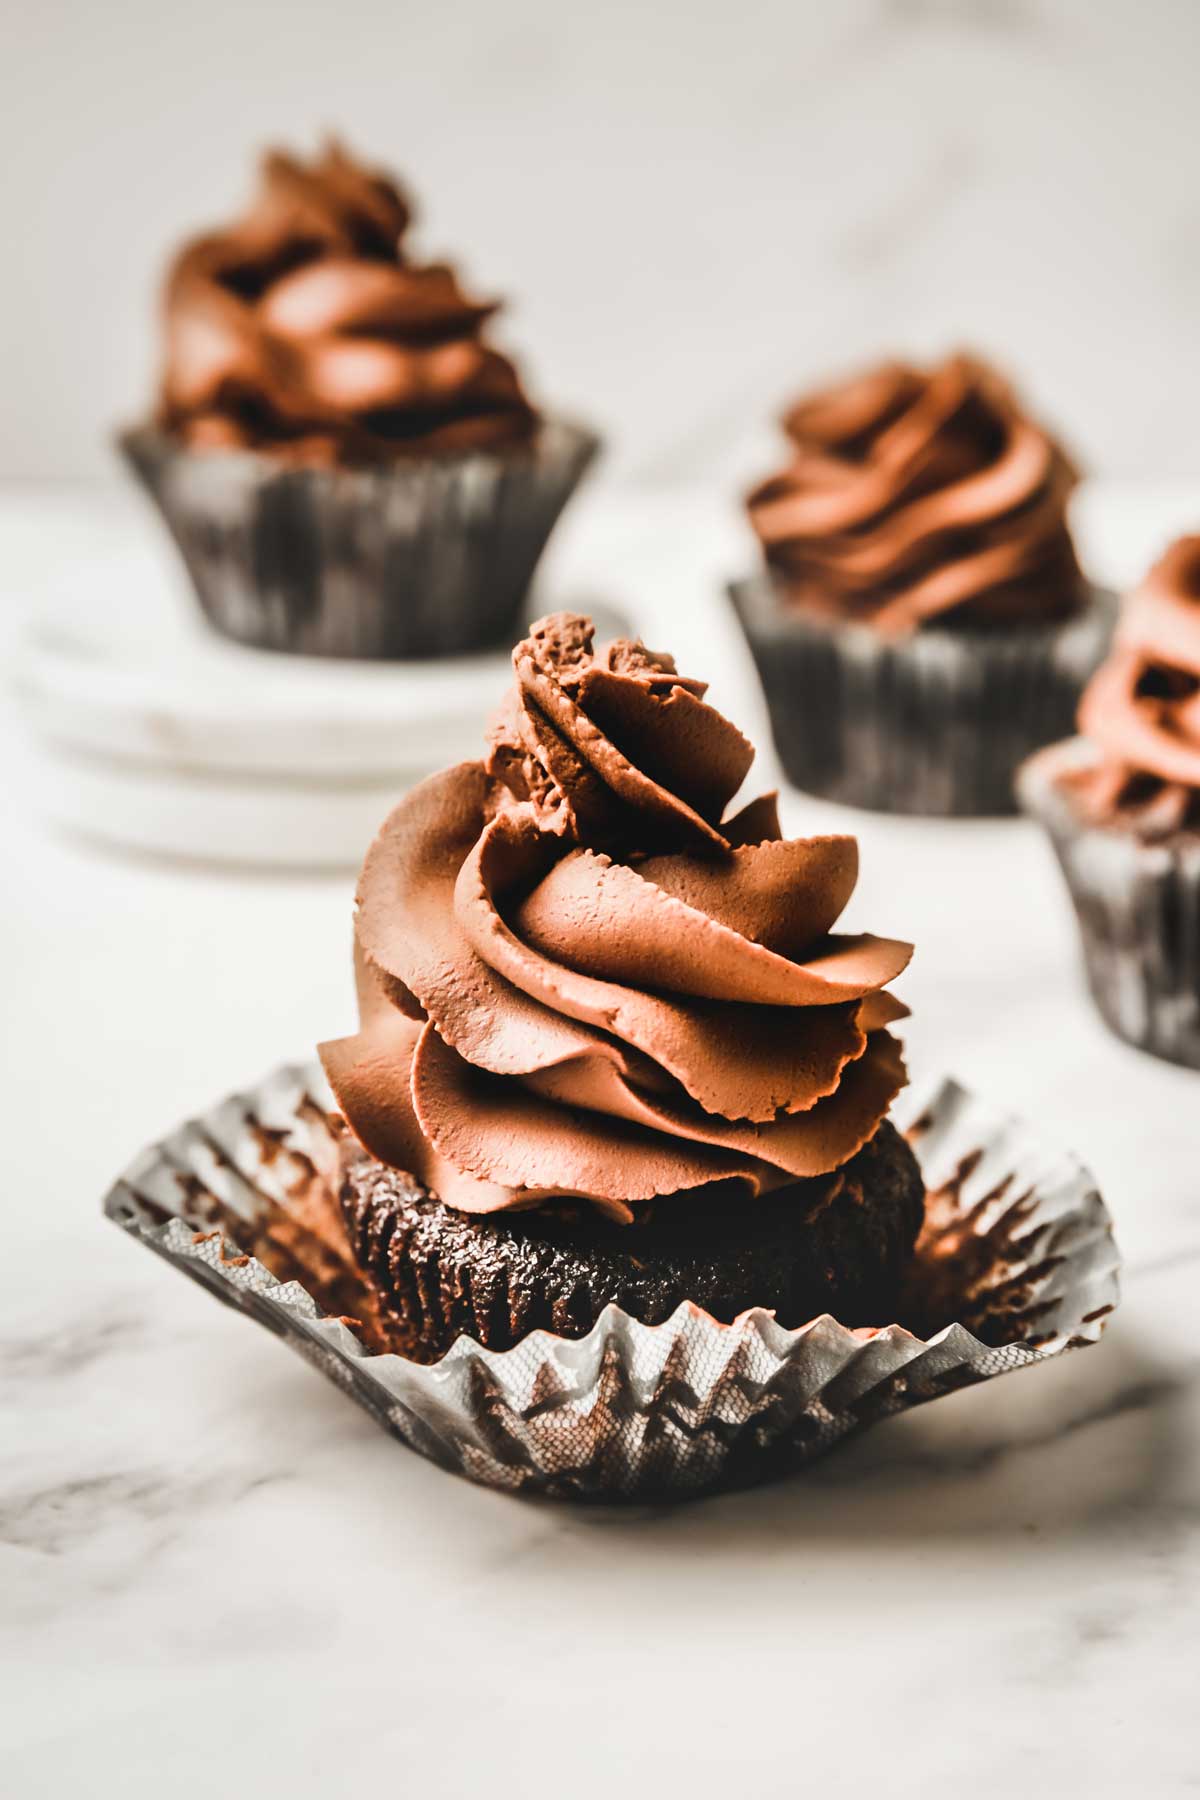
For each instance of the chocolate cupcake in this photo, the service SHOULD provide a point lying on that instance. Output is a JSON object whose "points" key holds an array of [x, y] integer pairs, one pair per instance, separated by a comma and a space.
{"points": [[346, 464], [1122, 806], [611, 1050], [921, 624]]}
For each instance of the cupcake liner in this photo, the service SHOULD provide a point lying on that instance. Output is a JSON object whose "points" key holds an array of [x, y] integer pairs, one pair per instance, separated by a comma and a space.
{"points": [[935, 723], [1138, 904], [1016, 1265], [422, 557]]}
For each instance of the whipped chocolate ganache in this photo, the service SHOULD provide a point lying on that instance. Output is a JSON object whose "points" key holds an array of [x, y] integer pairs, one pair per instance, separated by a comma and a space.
{"points": [[917, 496], [578, 977], [304, 327], [1142, 707]]}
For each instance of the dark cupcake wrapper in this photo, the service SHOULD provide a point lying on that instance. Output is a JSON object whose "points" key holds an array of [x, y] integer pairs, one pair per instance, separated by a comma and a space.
{"points": [[429, 556], [1138, 905], [936, 723]]}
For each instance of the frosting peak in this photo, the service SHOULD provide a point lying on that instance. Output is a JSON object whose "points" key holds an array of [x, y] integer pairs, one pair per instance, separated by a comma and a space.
{"points": [[918, 494], [1142, 707], [616, 748], [579, 978], [303, 326]]}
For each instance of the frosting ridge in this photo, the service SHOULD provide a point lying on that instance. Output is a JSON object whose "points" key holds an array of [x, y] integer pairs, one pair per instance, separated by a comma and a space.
{"points": [[1142, 707], [303, 326], [916, 495], [578, 978]]}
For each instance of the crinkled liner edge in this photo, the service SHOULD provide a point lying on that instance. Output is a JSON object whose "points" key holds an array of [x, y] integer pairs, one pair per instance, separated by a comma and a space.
{"points": [[890, 1367], [558, 435], [755, 598]]}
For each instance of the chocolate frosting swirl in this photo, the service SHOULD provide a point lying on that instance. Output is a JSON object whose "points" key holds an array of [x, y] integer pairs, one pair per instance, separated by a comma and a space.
{"points": [[917, 495], [1142, 706], [304, 327], [578, 977]]}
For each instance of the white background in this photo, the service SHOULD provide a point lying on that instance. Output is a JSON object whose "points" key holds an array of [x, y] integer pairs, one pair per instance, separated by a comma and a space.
{"points": [[693, 205]]}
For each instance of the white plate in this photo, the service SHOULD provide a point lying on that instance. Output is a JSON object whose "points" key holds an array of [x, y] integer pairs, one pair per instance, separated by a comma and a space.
{"points": [[154, 685], [286, 824], [151, 733]]}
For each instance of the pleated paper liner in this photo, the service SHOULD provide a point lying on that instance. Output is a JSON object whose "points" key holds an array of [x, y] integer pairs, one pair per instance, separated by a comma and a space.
{"points": [[1138, 906], [936, 723], [1016, 1265], [424, 556]]}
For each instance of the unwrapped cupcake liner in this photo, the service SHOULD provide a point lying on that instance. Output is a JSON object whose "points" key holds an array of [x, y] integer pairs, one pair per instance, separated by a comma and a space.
{"points": [[1016, 1265], [424, 556], [1138, 904], [935, 723]]}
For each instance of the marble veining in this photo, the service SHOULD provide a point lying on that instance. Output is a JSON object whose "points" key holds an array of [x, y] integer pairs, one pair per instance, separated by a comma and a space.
{"points": [[63, 1518], [61, 1353]]}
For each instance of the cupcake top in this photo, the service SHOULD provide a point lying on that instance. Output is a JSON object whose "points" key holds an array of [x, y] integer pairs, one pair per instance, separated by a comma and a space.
{"points": [[581, 976], [304, 329], [921, 495], [1142, 707]]}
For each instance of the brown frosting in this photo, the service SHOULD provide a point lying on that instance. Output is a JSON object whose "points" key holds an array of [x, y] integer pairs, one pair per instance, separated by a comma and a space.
{"points": [[578, 977], [1142, 707], [303, 327], [917, 495]]}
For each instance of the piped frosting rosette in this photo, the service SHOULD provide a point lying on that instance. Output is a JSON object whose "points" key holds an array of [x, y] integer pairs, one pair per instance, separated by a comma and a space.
{"points": [[580, 976], [304, 325], [921, 495], [1142, 707]]}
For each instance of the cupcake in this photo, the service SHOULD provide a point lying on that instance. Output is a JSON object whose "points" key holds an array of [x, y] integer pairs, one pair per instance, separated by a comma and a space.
{"points": [[346, 464], [921, 623], [611, 1049], [1122, 805]]}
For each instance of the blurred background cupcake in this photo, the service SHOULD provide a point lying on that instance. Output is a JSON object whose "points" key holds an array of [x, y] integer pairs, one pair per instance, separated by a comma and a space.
{"points": [[1122, 806], [346, 464], [921, 622]]}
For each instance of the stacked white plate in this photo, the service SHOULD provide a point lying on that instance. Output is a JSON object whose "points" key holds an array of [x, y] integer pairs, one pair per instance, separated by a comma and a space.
{"points": [[192, 748], [153, 734]]}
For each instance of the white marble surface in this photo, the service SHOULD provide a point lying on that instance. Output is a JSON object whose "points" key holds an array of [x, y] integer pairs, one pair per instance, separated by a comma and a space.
{"points": [[691, 207], [216, 1576]]}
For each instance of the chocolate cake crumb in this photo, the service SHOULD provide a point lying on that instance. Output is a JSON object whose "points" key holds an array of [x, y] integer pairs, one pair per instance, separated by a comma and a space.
{"points": [[839, 1244]]}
